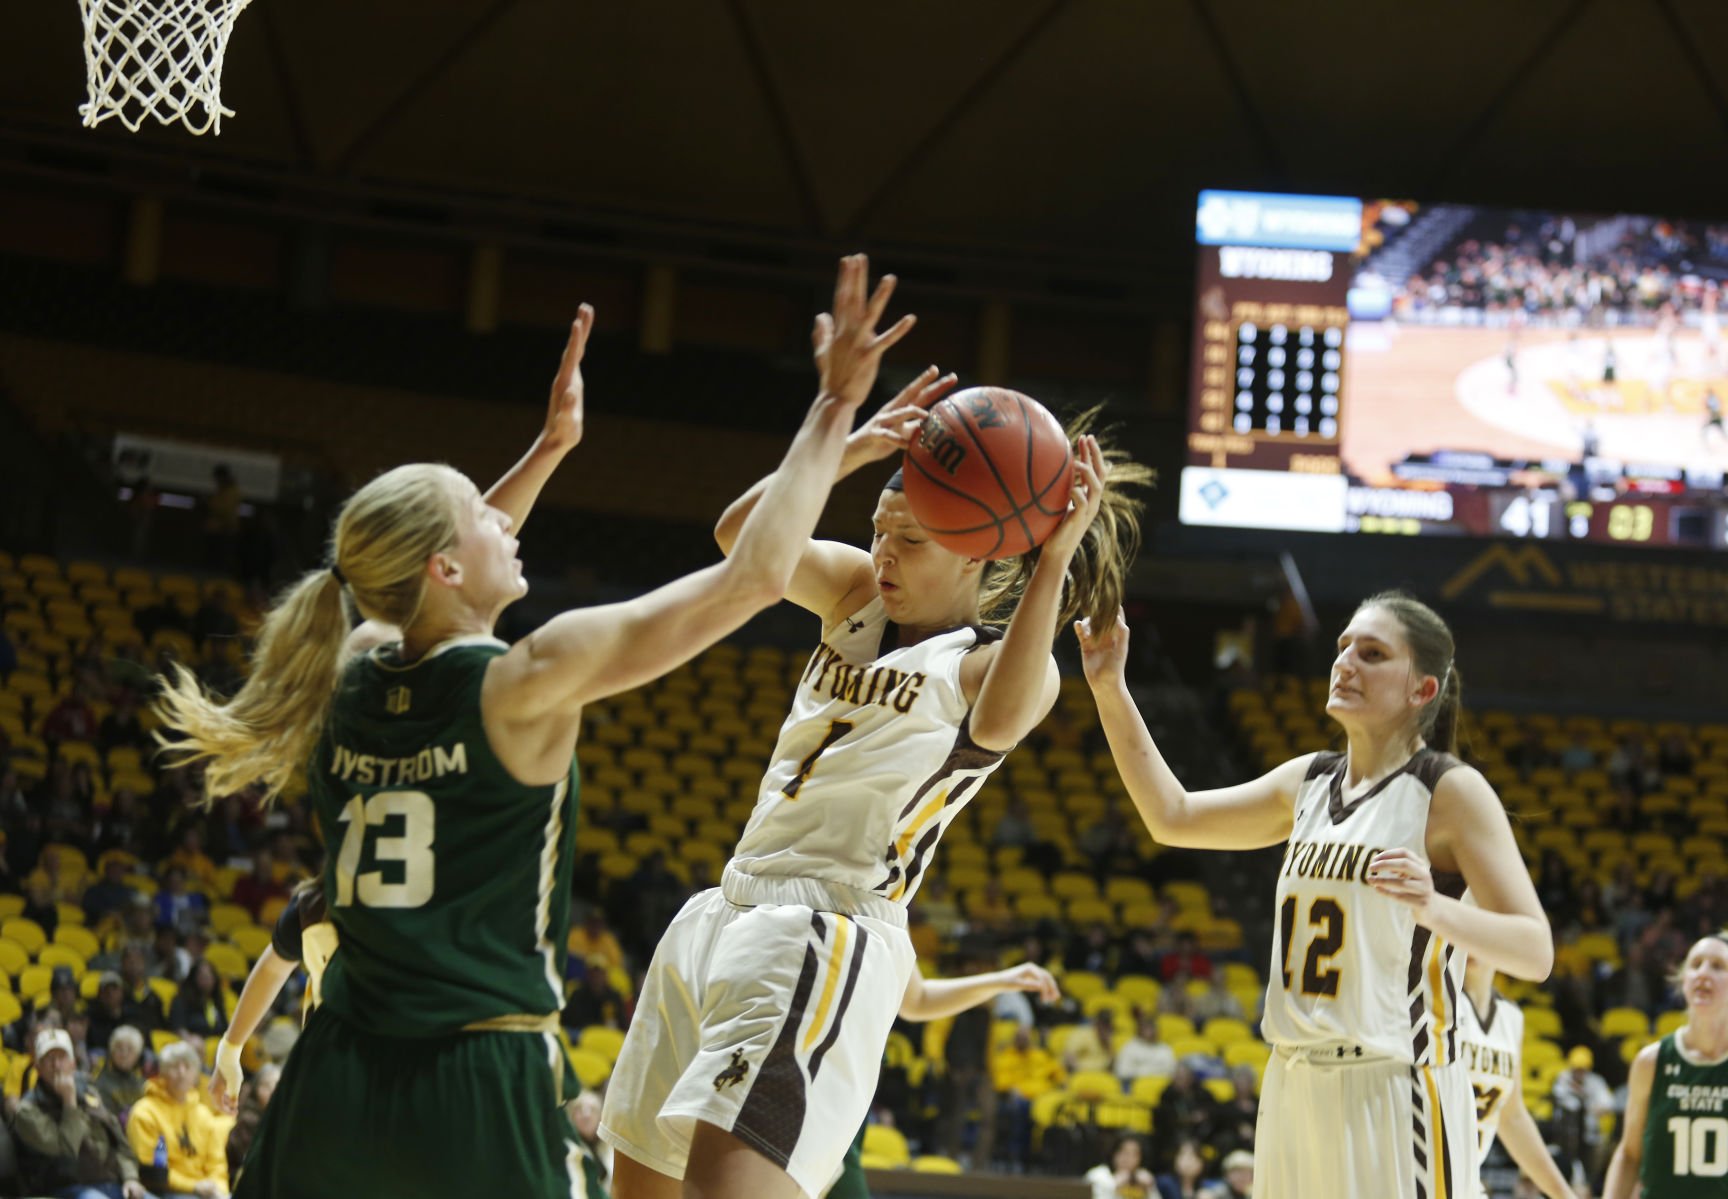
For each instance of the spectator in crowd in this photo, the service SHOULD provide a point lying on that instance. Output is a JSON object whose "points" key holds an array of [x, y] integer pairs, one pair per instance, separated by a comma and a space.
{"points": [[591, 941], [1094, 951], [110, 893], [1140, 954], [1633, 984], [171, 1113], [63, 994], [1234, 1121], [595, 1000], [1145, 1054], [596, 1153], [1187, 1176], [1125, 1176], [255, 1095], [107, 1008], [189, 856], [72, 719], [937, 903], [1021, 1071], [122, 729], [1675, 756], [1176, 999], [1092, 1046], [1238, 1177], [1014, 826], [258, 887], [40, 904], [119, 1079], [1187, 959], [1581, 1098], [178, 908], [989, 911], [69, 1144], [140, 1007], [1218, 1003], [1185, 1109], [200, 1009], [1577, 755]]}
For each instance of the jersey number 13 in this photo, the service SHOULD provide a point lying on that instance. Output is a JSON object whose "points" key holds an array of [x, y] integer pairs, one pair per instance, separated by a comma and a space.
{"points": [[410, 853]]}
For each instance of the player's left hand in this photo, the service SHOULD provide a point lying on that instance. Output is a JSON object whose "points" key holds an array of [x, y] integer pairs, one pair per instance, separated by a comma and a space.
{"points": [[1029, 976], [1401, 875], [564, 409], [1084, 500]]}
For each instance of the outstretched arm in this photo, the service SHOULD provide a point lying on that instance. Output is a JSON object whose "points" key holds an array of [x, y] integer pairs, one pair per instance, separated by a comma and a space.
{"points": [[269, 973], [1247, 816], [516, 492], [1629, 1155], [1523, 1140], [934, 998], [590, 653]]}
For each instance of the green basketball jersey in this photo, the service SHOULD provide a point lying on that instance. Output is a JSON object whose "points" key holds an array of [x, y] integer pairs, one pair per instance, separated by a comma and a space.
{"points": [[1686, 1130], [449, 881]]}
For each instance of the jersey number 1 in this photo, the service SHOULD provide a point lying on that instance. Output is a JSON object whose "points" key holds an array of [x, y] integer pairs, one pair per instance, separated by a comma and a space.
{"points": [[1317, 977], [411, 852], [836, 730]]}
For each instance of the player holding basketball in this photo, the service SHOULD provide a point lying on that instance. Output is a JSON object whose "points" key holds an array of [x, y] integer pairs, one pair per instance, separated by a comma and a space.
{"points": [[441, 773], [1365, 1097], [1491, 1042], [760, 1029], [1675, 1136]]}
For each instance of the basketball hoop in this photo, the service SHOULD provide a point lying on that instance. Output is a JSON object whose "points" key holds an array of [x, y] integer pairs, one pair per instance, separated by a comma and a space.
{"points": [[157, 58]]}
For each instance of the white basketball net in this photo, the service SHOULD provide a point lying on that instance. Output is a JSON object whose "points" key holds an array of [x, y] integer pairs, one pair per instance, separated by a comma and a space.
{"points": [[157, 58]]}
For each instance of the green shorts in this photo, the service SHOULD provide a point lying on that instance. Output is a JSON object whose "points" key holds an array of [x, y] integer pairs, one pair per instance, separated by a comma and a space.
{"points": [[471, 1114]]}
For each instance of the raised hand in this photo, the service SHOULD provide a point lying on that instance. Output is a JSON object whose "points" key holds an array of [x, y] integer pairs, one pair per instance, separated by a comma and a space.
{"points": [[564, 407], [897, 422], [1090, 472], [1103, 652], [848, 349]]}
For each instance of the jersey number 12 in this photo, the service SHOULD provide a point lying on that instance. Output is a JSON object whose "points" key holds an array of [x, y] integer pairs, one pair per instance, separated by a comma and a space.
{"points": [[411, 852], [1317, 976]]}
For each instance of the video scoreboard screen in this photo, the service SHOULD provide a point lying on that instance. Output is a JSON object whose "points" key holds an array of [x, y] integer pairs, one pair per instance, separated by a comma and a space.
{"points": [[1390, 367]]}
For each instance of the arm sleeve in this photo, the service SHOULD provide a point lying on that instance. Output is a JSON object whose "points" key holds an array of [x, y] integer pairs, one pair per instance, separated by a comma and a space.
{"points": [[286, 939], [42, 1134]]}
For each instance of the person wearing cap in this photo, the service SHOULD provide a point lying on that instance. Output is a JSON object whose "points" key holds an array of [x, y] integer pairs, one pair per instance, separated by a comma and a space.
{"points": [[119, 1077], [107, 1008], [63, 994], [69, 1144], [1581, 1097], [1238, 1181]]}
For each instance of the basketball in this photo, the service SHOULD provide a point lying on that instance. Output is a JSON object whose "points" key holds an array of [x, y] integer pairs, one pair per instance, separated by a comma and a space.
{"points": [[989, 474]]}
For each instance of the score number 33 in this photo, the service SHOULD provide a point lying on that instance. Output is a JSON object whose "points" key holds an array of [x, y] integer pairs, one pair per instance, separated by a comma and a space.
{"points": [[1325, 914], [411, 852]]}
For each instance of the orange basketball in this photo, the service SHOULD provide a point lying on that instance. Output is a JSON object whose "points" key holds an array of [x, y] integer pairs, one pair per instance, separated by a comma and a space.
{"points": [[989, 474]]}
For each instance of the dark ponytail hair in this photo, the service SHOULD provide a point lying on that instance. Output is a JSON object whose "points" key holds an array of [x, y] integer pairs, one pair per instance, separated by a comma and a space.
{"points": [[1098, 575], [1431, 649]]}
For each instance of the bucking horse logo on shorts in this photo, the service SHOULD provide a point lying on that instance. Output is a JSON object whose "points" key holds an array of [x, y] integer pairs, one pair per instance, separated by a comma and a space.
{"points": [[733, 1073]]}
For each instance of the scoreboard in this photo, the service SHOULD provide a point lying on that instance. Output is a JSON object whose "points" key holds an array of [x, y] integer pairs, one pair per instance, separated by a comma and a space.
{"points": [[1323, 399]]}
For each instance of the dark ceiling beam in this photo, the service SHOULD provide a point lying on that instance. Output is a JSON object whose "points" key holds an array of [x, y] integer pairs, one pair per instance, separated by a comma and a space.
{"points": [[810, 206], [939, 130], [415, 88], [1449, 158], [296, 112], [1695, 59], [1272, 157]]}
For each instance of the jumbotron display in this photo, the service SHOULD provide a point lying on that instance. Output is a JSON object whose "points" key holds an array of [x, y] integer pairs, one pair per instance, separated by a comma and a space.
{"points": [[1389, 367]]}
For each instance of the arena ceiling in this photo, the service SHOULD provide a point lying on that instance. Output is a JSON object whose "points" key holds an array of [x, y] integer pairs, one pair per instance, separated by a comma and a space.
{"points": [[998, 131]]}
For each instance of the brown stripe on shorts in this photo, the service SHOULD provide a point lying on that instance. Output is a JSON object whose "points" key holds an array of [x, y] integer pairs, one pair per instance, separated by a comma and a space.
{"points": [[773, 1113]]}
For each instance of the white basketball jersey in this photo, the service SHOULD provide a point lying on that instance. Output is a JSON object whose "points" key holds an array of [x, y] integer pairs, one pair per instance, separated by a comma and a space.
{"points": [[1491, 1048], [872, 762], [1351, 967]]}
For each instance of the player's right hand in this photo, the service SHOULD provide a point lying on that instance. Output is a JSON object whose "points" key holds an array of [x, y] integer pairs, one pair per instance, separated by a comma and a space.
{"points": [[897, 422], [1103, 652], [1029, 976], [848, 349], [225, 1078]]}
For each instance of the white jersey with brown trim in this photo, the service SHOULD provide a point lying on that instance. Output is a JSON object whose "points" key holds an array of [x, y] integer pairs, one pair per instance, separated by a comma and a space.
{"points": [[1352, 971], [872, 763], [1491, 1046]]}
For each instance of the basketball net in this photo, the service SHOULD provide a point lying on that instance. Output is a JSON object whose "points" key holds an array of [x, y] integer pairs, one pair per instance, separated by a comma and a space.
{"points": [[157, 58]]}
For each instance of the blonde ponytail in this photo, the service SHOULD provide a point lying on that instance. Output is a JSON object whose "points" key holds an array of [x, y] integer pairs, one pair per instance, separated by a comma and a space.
{"points": [[383, 538], [1098, 575]]}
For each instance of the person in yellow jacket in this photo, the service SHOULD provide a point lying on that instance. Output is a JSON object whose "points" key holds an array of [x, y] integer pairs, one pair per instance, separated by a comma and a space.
{"points": [[172, 1114]]}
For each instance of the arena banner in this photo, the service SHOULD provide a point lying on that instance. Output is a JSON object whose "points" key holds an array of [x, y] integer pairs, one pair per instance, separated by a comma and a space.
{"points": [[1638, 587]]}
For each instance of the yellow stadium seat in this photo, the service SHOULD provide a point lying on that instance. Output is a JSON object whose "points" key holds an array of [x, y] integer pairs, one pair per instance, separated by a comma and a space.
{"points": [[250, 939], [1541, 1022], [1031, 906], [1095, 1085], [933, 1163], [1184, 1046], [1669, 1022], [70, 914], [1083, 984], [1224, 1030], [1172, 1027], [1140, 991], [887, 1143], [14, 958], [1071, 884], [875, 1161], [10, 906], [26, 932], [1128, 890], [10, 1008], [62, 955], [1625, 1022], [591, 1068], [34, 979], [161, 1039], [601, 1041], [229, 961], [1221, 1089], [1090, 911], [165, 991], [1148, 1089], [1630, 1047], [1247, 1053]]}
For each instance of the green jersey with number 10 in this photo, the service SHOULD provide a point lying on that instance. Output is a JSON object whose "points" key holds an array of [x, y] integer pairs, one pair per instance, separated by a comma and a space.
{"points": [[449, 881], [1686, 1128]]}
